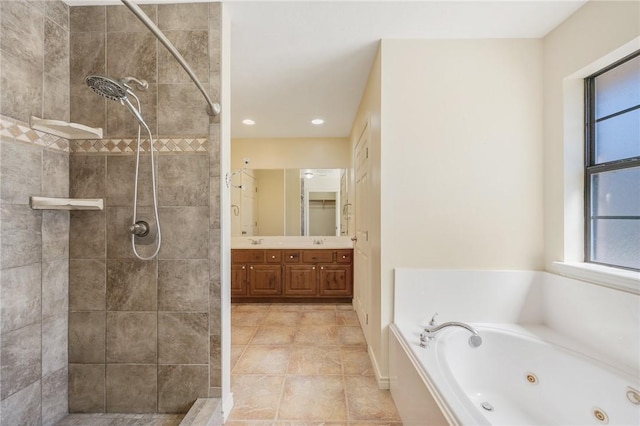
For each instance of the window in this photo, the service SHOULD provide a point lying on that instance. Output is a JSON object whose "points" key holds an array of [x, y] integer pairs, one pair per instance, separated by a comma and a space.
{"points": [[612, 178]]}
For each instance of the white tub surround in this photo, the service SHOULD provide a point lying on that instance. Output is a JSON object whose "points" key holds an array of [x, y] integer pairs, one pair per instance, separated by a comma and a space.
{"points": [[579, 340], [273, 242]]}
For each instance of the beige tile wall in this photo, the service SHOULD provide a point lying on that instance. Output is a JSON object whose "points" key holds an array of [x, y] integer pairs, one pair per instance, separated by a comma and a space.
{"points": [[34, 80], [144, 335]]}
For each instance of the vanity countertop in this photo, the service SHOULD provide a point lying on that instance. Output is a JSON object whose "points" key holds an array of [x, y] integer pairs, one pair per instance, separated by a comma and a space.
{"points": [[259, 242]]}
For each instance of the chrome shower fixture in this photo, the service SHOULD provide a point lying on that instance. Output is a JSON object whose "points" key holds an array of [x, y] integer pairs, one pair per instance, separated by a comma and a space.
{"points": [[214, 108], [142, 232], [117, 91], [142, 84], [106, 87]]}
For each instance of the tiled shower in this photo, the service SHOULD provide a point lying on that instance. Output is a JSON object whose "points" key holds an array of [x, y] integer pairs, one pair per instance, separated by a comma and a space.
{"points": [[84, 323]]}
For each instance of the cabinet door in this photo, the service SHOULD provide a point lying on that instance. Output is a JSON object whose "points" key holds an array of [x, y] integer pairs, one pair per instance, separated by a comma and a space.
{"points": [[335, 280], [300, 280], [265, 280], [238, 280]]}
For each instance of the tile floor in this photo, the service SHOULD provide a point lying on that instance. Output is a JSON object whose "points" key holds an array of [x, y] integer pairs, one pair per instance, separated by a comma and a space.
{"points": [[303, 365], [110, 419]]}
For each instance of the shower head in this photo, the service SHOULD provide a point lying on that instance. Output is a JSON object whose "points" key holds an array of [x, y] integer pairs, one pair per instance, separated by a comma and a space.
{"points": [[118, 91], [107, 87]]}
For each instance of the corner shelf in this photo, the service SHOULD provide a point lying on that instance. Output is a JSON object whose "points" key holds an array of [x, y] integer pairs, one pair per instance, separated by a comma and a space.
{"points": [[65, 129], [47, 203]]}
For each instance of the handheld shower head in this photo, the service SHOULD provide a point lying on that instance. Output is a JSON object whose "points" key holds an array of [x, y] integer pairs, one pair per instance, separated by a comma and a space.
{"points": [[107, 87], [117, 91]]}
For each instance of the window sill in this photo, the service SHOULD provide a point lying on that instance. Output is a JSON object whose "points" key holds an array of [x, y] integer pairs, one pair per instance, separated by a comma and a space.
{"points": [[619, 279]]}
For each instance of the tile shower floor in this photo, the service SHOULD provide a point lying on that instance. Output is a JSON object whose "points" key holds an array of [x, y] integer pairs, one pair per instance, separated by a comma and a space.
{"points": [[110, 419], [303, 364]]}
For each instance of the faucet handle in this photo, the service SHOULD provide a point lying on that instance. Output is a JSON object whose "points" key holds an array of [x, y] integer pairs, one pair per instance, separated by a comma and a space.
{"points": [[433, 319]]}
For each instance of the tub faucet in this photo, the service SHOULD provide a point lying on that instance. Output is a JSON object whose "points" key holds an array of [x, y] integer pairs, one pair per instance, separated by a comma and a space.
{"points": [[433, 328]]}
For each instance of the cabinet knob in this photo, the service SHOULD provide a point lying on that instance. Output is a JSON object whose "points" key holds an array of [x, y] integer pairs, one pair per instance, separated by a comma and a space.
{"points": [[322, 267], [251, 267], [291, 257], [273, 257], [344, 257], [243, 267], [313, 267]]}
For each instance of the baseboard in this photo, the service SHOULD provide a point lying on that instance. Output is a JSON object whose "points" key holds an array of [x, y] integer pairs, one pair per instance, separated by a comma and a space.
{"points": [[383, 381], [227, 406]]}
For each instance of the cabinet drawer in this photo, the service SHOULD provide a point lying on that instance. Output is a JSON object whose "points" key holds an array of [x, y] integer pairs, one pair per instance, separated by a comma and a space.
{"points": [[291, 256], [274, 256], [247, 256], [314, 256], [343, 256]]}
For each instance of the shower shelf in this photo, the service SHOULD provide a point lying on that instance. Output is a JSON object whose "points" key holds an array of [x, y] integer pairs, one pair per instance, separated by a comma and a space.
{"points": [[65, 129], [47, 203]]}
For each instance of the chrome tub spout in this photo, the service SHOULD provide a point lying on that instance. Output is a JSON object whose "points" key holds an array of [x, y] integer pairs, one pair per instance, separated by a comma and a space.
{"points": [[433, 328]]}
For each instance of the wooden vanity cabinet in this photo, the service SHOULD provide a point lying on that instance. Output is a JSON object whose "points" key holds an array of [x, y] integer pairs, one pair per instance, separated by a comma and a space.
{"points": [[256, 273], [300, 280], [335, 280], [238, 280], [264, 280], [291, 275]]}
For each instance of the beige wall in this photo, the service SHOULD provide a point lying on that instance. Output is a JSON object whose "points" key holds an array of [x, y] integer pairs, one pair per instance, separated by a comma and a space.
{"points": [[292, 202], [291, 153], [270, 202], [457, 163], [598, 34], [469, 194], [468, 160]]}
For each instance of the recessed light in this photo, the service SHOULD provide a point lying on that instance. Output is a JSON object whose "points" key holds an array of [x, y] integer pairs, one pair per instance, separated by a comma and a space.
{"points": [[248, 122], [317, 121]]}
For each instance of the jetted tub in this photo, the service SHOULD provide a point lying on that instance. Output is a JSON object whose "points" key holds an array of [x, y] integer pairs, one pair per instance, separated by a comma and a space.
{"points": [[516, 377], [556, 350]]}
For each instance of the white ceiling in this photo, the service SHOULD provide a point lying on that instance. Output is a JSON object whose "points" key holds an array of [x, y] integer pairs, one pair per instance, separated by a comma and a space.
{"points": [[294, 61]]}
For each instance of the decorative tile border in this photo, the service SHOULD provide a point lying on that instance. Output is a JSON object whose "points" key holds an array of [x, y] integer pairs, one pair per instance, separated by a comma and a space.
{"points": [[11, 129], [129, 146]]}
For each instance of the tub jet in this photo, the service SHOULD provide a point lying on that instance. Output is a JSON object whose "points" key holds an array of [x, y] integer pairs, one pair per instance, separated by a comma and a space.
{"points": [[487, 406]]}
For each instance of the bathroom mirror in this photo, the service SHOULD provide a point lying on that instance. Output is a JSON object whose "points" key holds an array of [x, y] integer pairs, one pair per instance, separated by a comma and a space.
{"points": [[290, 202]]}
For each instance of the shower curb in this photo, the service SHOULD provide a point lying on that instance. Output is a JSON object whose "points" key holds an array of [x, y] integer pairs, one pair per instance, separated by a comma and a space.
{"points": [[204, 412]]}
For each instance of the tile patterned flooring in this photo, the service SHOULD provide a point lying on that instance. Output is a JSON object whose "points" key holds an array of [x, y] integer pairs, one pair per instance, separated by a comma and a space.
{"points": [[295, 364], [110, 419]]}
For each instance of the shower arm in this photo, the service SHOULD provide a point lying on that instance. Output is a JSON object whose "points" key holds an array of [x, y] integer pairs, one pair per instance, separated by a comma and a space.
{"points": [[214, 108]]}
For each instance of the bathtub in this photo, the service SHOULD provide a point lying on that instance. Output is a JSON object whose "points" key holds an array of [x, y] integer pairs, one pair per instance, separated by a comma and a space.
{"points": [[517, 378], [555, 351]]}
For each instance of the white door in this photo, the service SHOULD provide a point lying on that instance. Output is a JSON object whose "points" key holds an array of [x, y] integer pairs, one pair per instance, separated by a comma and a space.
{"points": [[362, 249]]}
